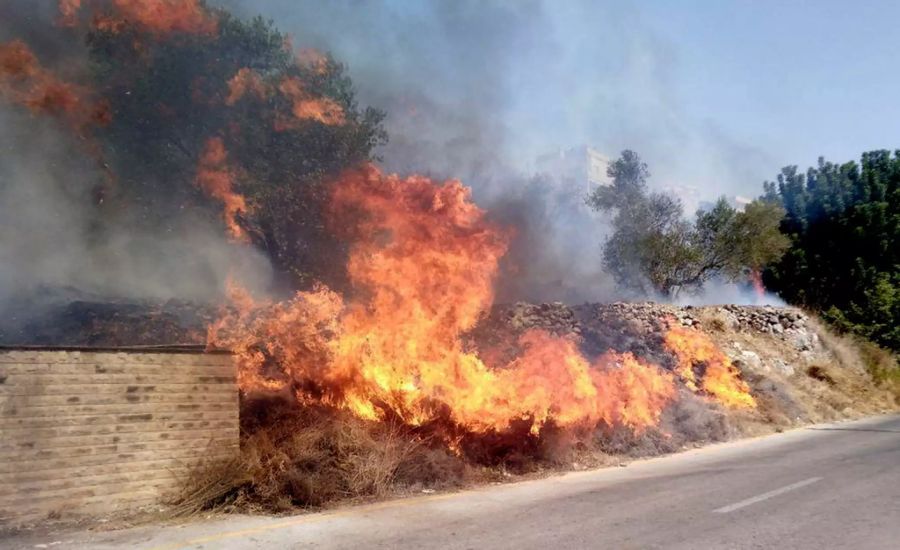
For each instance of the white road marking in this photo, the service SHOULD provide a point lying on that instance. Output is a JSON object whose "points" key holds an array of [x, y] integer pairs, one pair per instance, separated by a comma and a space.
{"points": [[766, 496]]}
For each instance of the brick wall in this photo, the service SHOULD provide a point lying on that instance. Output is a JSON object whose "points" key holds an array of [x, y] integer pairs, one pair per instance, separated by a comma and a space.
{"points": [[94, 432]]}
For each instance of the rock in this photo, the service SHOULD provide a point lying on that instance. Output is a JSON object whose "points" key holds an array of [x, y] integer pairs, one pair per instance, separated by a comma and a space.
{"points": [[751, 360], [782, 368]]}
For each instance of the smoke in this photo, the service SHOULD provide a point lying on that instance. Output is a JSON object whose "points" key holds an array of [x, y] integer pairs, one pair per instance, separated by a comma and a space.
{"points": [[718, 292], [478, 90], [55, 231], [51, 234], [556, 253], [473, 90]]}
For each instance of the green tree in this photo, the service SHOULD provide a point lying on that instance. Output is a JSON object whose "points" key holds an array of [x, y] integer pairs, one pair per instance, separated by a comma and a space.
{"points": [[629, 176], [843, 221], [654, 249]]}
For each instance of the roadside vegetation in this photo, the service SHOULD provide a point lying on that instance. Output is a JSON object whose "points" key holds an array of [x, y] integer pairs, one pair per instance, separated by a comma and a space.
{"points": [[654, 250], [827, 240], [843, 222]]}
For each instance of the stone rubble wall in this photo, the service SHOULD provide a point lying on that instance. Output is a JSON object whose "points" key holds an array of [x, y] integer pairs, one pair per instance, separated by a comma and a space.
{"points": [[639, 327]]}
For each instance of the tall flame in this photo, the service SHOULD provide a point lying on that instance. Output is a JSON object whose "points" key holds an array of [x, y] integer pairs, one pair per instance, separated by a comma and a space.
{"points": [[758, 287], [718, 377], [423, 264], [215, 178]]}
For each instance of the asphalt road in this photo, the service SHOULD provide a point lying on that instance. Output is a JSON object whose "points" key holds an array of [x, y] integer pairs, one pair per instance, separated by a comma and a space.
{"points": [[829, 486]]}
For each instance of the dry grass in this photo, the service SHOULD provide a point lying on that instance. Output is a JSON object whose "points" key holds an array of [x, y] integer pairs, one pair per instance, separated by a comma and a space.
{"points": [[857, 355], [211, 484], [846, 349], [309, 458], [820, 373], [834, 383], [882, 365]]}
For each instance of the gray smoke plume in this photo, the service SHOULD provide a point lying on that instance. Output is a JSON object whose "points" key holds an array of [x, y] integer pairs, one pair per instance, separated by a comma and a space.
{"points": [[473, 90], [478, 90], [52, 234]]}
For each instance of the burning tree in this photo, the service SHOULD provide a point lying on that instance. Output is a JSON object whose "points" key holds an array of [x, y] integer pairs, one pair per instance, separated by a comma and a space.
{"points": [[193, 109]]}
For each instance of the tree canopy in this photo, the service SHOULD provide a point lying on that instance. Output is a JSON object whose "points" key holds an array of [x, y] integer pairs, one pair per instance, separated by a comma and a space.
{"points": [[282, 125], [843, 221], [654, 249]]}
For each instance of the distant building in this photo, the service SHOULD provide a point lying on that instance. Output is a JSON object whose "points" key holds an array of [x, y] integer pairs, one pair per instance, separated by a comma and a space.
{"points": [[583, 164], [687, 194], [737, 202]]}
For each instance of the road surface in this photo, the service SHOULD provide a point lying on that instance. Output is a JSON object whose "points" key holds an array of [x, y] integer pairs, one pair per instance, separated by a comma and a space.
{"points": [[828, 486]]}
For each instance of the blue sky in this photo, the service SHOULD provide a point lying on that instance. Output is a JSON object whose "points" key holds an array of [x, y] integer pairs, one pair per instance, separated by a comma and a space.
{"points": [[796, 79], [715, 95]]}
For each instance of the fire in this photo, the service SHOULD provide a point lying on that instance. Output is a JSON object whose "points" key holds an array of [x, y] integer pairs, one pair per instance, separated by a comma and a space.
{"points": [[296, 333], [719, 378], [164, 16], [314, 59], [245, 81], [24, 81], [306, 106], [68, 12], [17, 61], [216, 179], [758, 287], [155, 16], [423, 263]]}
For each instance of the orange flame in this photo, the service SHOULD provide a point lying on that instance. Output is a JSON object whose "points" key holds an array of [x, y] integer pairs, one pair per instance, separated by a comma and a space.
{"points": [[24, 81], [155, 16], [718, 377], [17, 61], [215, 178], [424, 261], [68, 12], [243, 82], [313, 59], [305, 106], [758, 286]]}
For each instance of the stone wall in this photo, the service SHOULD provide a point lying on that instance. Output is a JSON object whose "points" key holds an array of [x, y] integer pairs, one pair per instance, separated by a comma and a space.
{"points": [[97, 432]]}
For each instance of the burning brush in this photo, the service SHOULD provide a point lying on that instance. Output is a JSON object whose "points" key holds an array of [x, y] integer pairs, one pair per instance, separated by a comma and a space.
{"points": [[423, 263]]}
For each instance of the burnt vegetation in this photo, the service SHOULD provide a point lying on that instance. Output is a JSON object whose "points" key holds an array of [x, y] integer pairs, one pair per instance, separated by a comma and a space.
{"points": [[389, 369]]}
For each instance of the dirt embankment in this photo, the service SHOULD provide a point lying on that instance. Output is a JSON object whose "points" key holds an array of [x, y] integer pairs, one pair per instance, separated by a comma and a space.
{"points": [[799, 371]]}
